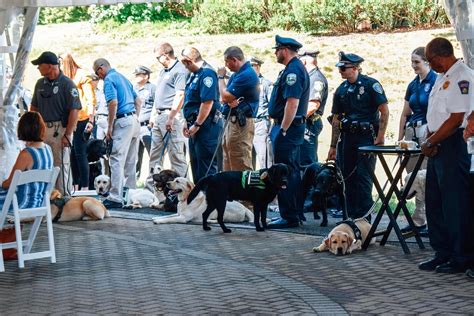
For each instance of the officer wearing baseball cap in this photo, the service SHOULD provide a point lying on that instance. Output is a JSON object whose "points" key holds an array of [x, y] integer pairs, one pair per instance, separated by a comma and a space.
{"points": [[142, 70], [46, 58], [288, 107], [360, 117], [310, 52]]}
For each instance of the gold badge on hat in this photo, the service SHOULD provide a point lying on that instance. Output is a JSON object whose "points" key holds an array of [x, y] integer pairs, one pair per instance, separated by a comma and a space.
{"points": [[446, 85]]}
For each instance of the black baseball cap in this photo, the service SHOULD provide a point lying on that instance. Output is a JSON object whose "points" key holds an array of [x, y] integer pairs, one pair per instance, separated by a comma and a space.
{"points": [[46, 58]]}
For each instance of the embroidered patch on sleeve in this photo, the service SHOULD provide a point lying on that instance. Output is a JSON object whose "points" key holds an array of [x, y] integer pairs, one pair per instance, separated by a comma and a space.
{"points": [[208, 82], [74, 92], [291, 79], [377, 88], [464, 86]]}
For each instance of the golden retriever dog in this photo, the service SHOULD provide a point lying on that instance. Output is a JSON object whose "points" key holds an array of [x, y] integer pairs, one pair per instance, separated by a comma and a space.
{"points": [[135, 198], [76, 208], [342, 239], [235, 212]]}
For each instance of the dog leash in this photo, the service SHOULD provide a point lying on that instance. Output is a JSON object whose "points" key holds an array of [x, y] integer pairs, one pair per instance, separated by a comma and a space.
{"points": [[166, 138], [219, 142]]}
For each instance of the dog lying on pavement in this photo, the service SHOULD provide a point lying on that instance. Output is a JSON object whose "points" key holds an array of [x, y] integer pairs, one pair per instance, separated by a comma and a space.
{"points": [[135, 198], [324, 181], [76, 208], [346, 237], [192, 212], [160, 180], [259, 187]]}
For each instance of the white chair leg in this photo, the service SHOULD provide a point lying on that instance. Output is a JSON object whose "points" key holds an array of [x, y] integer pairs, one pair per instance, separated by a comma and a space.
{"points": [[19, 241], [34, 231], [49, 225], [2, 267]]}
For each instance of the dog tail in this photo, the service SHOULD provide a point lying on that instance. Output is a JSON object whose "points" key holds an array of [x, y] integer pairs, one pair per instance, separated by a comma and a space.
{"points": [[249, 215], [200, 186]]}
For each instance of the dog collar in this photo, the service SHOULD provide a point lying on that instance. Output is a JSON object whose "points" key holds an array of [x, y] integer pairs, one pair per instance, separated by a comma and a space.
{"points": [[353, 226], [251, 179]]}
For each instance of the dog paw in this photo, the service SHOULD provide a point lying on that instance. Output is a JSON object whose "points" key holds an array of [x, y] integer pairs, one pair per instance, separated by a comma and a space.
{"points": [[227, 230], [128, 207], [316, 249]]}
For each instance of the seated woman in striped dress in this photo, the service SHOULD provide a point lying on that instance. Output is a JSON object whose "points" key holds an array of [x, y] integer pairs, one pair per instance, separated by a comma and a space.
{"points": [[35, 155]]}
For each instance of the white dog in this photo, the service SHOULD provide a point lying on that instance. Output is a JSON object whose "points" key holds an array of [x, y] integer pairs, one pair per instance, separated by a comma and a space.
{"points": [[234, 213], [135, 198]]}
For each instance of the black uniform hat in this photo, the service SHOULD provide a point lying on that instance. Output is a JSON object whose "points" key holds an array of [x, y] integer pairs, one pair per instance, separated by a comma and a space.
{"points": [[308, 52], [349, 59], [142, 70], [46, 58], [287, 42], [255, 61]]}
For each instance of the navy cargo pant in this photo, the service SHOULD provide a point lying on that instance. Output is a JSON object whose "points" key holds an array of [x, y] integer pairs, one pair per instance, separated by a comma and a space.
{"points": [[356, 171], [202, 147], [309, 148], [450, 217], [286, 149]]}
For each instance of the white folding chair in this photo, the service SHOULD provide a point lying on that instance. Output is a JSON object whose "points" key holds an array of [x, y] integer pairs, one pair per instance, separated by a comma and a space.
{"points": [[24, 246]]}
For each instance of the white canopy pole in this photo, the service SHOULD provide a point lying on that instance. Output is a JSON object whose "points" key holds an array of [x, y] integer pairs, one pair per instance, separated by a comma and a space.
{"points": [[461, 15]]}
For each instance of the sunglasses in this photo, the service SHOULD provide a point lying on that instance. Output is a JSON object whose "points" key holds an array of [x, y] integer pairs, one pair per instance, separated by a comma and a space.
{"points": [[97, 70], [343, 68], [159, 57]]}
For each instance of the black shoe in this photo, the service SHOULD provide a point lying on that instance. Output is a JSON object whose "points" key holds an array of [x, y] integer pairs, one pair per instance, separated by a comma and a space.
{"points": [[111, 204], [451, 267], [423, 231], [282, 223], [470, 273], [430, 265], [408, 228]]}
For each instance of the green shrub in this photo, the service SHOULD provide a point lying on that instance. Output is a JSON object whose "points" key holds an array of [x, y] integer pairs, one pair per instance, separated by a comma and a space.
{"points": [[63, 14]]}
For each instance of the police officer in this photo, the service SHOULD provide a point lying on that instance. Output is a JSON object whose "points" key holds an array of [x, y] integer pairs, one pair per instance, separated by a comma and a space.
{"points": [[449, 213], [146, 92], [261, 141], [123, 130], [360, 117], [318, 95], [57, 100], [201, 111], [166, 118], [288, 107], [240, 97]]}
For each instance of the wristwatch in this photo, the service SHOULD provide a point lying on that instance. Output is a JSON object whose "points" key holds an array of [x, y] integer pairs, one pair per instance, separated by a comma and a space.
{"points": [[220, 77], [197, 124], [428, 144], [283, 132]]}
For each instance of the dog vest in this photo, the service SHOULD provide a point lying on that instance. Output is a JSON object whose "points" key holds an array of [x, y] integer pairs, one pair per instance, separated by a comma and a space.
{"points": [[59, 202], [353, 226], [251, 179]]}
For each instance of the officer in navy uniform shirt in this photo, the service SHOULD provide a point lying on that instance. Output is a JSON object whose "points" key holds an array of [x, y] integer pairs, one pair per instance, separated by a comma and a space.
{"points": [[360, 117], [200, 108], [288, 107]]}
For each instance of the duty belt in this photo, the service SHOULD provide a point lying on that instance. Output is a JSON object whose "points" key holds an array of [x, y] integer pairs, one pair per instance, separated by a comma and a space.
{"points": [[297, 121], [162, 111], [119, 116], [51, 124], [313, 118], [416, 124]]}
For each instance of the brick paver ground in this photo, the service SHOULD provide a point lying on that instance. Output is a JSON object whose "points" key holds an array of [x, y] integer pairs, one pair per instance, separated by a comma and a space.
{"points": [[126, 266]]}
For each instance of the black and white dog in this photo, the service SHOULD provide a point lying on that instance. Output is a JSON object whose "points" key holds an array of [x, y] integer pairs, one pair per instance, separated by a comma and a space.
{"points": [[324, 181], [96, 149]]}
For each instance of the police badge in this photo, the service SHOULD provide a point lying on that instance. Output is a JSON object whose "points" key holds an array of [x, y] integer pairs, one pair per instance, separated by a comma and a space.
{"points": [[208, 82], [377, 88], [291, 79], [464, 86]]}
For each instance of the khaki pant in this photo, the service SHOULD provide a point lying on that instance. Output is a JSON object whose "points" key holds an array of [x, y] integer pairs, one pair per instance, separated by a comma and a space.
{"points": [[419, 215], [61, 156], [175, 147], [237, 146]]}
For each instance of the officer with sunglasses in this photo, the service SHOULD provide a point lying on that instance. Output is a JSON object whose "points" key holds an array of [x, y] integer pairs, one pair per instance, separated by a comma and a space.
{"points": [[360, 117]]}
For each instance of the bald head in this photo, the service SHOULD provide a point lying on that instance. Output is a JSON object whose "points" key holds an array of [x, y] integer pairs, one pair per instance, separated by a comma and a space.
{"points": [[192, 53], [440, 47]]}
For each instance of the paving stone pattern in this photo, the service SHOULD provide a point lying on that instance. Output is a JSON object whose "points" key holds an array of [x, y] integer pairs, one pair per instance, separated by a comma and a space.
{"points": [[127, 266]]}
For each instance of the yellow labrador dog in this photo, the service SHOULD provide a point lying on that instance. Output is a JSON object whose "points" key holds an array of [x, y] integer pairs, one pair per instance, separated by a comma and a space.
{"points": [[235, 212], [76, 208], [342, 239]]}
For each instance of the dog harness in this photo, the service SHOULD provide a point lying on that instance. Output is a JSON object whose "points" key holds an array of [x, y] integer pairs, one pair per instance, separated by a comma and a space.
{"points": [[59, 202], [251, 179], [353, 226]]}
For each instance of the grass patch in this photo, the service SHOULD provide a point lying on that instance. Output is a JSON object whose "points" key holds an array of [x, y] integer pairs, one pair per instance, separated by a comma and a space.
{"points": [[393, 204]]}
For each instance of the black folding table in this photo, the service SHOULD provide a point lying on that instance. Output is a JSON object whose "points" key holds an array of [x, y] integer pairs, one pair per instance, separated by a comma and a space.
{"points": [[404, 156]]}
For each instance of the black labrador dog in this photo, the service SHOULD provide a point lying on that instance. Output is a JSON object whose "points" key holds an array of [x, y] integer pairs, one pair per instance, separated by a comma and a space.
{"points": [[259, 187], [160, 181], [96, 149], [324, 181]]}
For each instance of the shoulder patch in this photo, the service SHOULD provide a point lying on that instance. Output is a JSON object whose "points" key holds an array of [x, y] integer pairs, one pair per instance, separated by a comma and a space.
{"points": [[464, 86], [291, 79], [318, 86], [208, 81], [74, 92], [377, 88]]}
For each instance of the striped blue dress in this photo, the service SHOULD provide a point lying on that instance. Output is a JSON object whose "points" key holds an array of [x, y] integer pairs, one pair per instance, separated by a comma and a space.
{"points": [[31, 194]]}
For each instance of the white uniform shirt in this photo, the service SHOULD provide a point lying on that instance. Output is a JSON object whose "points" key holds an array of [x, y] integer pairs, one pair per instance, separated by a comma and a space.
{"points": [[451, 93]]}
